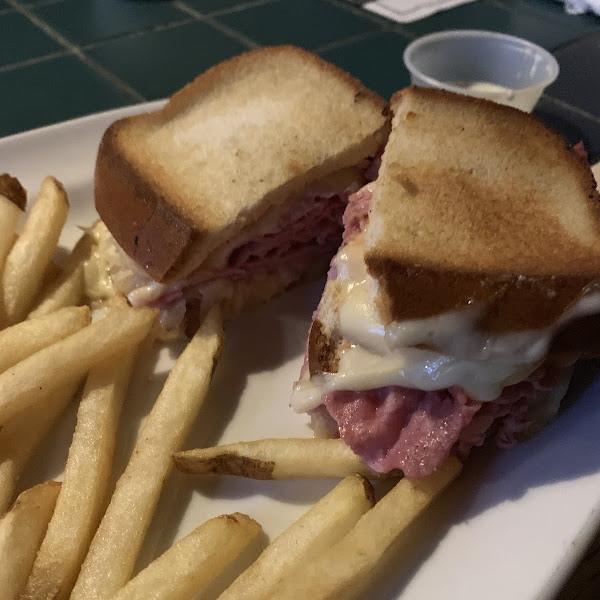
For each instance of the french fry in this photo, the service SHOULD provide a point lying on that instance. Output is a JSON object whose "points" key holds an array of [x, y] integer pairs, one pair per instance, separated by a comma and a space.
{"points": [[115, 547], [275, 459], [188, 566], [87, 473], [21, 531], [66, 290], [21, 436], [28, 337], [10, 214], [345, 568], [323, 525], [31, 253], [26, 383], [69, 288]]}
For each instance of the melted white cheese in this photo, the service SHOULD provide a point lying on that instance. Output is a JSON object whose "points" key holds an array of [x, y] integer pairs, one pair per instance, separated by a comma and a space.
{"points": [[452, 333], [359, 369], [98, 284], [384, 354], [112, 269]]}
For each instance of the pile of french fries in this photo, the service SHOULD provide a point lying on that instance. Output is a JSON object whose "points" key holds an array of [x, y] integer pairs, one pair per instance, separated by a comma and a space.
{"points": [[69, 540]]}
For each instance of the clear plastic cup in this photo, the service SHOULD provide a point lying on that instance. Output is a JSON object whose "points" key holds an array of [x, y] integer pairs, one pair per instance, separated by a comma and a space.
{"points": [[484, 64]]}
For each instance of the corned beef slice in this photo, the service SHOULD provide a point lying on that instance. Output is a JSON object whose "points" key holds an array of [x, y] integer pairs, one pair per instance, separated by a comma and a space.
{"points": [[580, 149], [304, 233], [401, 428], [356, 214], [310, 230]]}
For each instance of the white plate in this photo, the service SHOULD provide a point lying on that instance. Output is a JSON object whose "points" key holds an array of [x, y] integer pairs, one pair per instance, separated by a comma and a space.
{"points": [[513, 526]]}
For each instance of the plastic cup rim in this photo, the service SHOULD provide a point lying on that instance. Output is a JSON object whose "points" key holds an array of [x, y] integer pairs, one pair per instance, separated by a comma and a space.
{"points": [[465, 33]]}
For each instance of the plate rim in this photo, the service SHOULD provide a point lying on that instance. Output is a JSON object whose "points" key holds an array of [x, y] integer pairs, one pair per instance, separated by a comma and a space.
{"points": [[578, 546]]}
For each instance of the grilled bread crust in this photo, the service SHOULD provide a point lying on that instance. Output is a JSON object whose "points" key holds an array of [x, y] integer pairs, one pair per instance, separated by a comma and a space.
{"points": [[480, 203], [323, 341], [476, 202], [175, 184]]}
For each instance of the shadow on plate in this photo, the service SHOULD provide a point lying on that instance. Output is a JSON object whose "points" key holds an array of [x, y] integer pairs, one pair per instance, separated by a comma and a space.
{"points": [[566, 449], [263, 339]]}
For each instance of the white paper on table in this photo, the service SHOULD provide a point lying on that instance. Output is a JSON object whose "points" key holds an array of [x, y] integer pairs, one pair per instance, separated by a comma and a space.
{"points": [[578, 7], [407, 11]]}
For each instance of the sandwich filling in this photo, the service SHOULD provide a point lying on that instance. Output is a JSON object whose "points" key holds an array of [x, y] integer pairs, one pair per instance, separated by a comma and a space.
{"points": [[286, 243], [406, 394]]}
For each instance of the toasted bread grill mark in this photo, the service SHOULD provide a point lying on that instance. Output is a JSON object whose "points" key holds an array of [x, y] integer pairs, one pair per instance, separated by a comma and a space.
{"points": [[478, 202], [244, 136], [232, 464], [482, 225], [369, 491], [295, 167], [322, 350], [512, 302], [323, 341], [409, 186]]}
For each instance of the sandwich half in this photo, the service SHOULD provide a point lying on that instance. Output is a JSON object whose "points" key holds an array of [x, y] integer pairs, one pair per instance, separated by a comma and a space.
{"points": [[235, 189], [466, 286]]}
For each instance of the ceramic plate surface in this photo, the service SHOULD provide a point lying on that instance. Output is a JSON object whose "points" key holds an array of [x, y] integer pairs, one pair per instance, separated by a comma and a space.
{"points": [[513, 526]]}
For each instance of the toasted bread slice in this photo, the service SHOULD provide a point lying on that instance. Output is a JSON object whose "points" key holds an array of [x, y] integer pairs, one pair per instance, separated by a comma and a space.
{"points": [[480, 203], [246, 135]]}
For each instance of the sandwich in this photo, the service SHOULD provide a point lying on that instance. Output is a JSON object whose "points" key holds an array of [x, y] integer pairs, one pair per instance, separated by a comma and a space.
{"points": [[235, 189], [466, 287]]}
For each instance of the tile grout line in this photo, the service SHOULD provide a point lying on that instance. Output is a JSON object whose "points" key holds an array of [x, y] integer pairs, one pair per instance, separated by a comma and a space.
{"points": [[356, 10], [98, 43], [57, 37], [347, 41], [231, 33], [579, 111], [34, 61], [40, 3], [134, 34], [239, 7], [532, 14], [384, 24]]}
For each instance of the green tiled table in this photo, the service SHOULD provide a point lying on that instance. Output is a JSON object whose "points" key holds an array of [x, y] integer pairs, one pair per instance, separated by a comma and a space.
{"points": [[65, 58], [61, 59]]}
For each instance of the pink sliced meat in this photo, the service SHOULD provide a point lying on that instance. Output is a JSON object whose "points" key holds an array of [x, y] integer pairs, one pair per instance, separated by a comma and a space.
{"points": [[305, 232], [506, 417], [312, 227], [412, 430], [356, 214], [401, 428], [311, 230], [579, 147], [355, 219]]}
